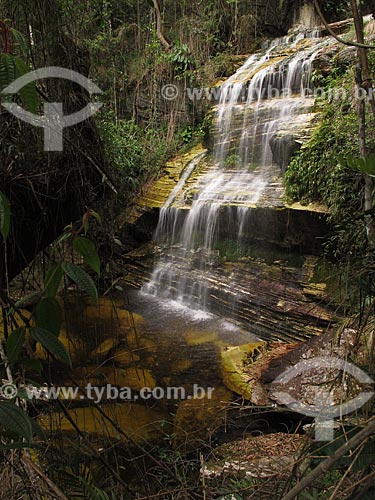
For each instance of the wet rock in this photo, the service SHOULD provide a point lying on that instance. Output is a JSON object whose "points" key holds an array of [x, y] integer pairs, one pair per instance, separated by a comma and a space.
{"points": [[347, 57], [316, 378], [232, 362], [283, 148]]}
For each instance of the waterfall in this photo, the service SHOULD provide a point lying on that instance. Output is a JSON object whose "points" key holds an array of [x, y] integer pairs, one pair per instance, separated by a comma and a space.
{"points": [[265, 97]]}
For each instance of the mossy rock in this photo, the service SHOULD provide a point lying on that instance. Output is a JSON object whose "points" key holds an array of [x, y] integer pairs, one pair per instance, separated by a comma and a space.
{"points": [[233, 360]]}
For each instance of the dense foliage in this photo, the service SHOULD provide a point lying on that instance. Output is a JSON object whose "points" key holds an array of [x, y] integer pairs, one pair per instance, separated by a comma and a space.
{"points": [[320, 172]]}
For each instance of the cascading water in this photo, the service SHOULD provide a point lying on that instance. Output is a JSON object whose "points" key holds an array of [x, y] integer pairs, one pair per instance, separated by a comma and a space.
{"points": [[265, 97]]}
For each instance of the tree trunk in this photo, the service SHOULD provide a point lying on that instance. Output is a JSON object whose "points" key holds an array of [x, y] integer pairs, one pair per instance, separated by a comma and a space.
{"points": [[369, 185], [362, 53], [159, 32]]}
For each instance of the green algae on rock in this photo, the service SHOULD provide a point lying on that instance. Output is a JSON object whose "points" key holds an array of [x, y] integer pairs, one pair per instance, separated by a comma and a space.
{"points": [[232, 362]]}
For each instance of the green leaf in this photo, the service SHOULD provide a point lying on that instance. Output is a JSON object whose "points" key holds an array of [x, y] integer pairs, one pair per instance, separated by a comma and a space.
{"points": [[28, 300], [15, 420], [8, 73], [96, 216], [49, 341], [20, 40], [11, 68], [37, 429], [14, 345], [82, 279], [4, 216], [52, 280], [34, 364], [48, 315], [28, 93], [87, 250]]}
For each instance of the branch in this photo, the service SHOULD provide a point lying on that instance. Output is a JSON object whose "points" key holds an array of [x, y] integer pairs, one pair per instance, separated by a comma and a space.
{"points": [[324, 466], [45, 478], [159, 33], [332, 33]]}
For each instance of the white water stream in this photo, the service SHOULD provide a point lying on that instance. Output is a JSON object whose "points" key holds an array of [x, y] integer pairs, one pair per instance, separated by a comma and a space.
{"points": [[265, 96]]}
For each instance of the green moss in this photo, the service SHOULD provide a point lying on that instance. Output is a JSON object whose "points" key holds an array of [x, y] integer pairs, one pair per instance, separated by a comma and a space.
{"points": [[320, 173], [233, 372]]}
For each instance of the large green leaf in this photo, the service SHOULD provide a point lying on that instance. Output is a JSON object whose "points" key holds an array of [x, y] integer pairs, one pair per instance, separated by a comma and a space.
{"points": [[20, 40], [52, 280], [48, 315], [51, 343], [15, 420], [364, 165], [14, 345], [4, 216], [87, 250], [37, 429], [28, 93], [8, 73], [11, 68], [81, 278]]}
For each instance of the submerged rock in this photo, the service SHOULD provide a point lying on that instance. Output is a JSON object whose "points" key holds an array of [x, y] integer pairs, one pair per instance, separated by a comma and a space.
{"points": [[138, 422], [198, 419]]}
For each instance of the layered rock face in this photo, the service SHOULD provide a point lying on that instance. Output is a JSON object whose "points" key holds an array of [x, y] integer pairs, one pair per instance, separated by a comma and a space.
{"points": [[226, 242]]}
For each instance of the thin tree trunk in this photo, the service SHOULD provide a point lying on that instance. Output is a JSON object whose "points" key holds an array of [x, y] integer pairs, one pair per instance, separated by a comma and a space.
{"points": [[362, 52], [159, 32], [363, 81], [369, 185]]}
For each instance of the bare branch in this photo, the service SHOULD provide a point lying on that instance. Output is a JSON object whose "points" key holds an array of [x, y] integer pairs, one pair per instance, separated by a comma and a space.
{"points": [[332, 33], [159, 33], [327, 464]]}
